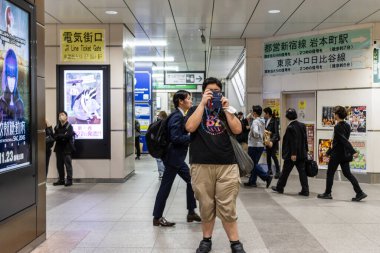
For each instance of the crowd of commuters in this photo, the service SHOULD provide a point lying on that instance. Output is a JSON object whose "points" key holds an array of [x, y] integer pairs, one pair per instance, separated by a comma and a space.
{"points": [[213, 177]]}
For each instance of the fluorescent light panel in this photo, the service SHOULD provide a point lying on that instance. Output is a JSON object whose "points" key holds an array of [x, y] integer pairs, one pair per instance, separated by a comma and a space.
{"points": [[166, 68], [274, 11], [147, 43], [152, 59]]}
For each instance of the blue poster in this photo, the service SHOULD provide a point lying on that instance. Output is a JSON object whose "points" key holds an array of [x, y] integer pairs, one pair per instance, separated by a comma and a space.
{"points": [[143, 86], [144, 117]]}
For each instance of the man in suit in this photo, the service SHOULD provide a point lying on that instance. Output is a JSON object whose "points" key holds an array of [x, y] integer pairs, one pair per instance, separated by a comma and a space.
{"points": [[294, 153], [174, 161], [271, 125]]}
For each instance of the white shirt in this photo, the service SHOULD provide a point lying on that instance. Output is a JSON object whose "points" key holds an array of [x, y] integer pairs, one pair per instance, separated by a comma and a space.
{"points": [[183, 113]]}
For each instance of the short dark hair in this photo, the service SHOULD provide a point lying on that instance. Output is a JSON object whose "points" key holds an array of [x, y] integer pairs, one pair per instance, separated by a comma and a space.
{"points": [[240, 113], [257, 109], [180, 95], [340, 111], [211, 80], [63, 112], [291, 114], [268, 111]]}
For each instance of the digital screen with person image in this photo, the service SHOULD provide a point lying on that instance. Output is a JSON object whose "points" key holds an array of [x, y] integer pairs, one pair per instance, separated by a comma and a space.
{"points": [[83, 101], [15, 87]]}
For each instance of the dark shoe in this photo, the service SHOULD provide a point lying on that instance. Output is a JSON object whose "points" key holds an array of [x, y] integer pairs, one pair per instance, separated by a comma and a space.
{"points": [[69, 183], [204, 247], [59, 182], [302, 193], [274, 188], [360, 196], [269, 180], [193, 217], [137, 158], [277, 176], [237, 248], [162, 222], [324, 196], [250, 185]]}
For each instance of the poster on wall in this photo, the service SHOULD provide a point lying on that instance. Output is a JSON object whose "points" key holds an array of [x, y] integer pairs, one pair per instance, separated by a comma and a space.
{"points": [[310, 139], [323, 146], [15, 107], [359, 163], [83, 103], [357, 118], [274, 104], [376, 65]]}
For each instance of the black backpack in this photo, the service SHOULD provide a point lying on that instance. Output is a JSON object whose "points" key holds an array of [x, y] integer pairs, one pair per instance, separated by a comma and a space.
{"points": [[157, 138]]}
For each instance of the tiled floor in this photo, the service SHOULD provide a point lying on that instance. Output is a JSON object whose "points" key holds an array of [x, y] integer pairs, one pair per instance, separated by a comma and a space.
{"points": [[118, 218]]}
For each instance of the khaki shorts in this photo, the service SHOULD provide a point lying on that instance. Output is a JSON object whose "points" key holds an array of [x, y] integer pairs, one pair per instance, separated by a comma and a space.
{"points": [[216, 188]]}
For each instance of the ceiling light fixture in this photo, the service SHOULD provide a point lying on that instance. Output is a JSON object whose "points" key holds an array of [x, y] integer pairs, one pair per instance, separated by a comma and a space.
{"points": [[111, 12], [274, 11], [167, 68], [147, 43], [152, 59]]}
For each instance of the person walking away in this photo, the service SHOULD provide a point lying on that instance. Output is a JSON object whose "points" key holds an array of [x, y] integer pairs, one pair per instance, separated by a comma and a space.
{"points": [[243, 137], [137, 139], [271, 126], [342, 154], [214, 170], [160, 164], [49, 141], [63, 134], [294, 153], [174, 161], [256, 148]]}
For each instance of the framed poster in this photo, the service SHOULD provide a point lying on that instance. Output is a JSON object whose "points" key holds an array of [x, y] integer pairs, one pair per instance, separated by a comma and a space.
{"points": [[129, 113], [357, 118], [18, 124], [310, 138], [359, 164], [323, 146], [83, 93]]}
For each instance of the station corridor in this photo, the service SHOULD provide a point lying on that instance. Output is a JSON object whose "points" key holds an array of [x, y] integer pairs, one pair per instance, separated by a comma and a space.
{"points": [[118, 218]]}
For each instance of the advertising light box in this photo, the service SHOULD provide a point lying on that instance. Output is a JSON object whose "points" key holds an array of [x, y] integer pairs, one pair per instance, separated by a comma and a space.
{"points": [[15, 88], [83, 91]]}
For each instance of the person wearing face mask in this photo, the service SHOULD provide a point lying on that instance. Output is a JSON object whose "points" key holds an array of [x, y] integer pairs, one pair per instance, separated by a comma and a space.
{"points": [[63, 134]]}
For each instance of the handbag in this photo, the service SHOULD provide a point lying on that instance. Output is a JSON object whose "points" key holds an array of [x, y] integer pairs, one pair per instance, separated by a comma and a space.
{"points": [[311, 168], [243, 160]]}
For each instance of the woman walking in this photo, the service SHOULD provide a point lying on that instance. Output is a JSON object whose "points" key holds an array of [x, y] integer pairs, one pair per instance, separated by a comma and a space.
{"points": [[341, 153]]}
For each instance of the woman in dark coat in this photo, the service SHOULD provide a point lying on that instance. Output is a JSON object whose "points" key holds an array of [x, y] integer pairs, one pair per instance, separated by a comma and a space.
{"points": [[341, 153]]}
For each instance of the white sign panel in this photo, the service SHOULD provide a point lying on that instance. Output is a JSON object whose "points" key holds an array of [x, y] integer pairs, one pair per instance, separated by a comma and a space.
{"points": [[184, 78]]}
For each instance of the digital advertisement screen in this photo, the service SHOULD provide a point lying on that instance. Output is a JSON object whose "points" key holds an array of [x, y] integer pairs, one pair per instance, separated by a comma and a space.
{"points": [[15, 88], [83, 102]]}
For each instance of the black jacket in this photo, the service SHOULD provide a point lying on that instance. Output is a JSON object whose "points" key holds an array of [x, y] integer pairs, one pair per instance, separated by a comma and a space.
{"points": [[179, 139], [49, 139], [273, 128], [295, 141], [341, 148], [63, 135]]}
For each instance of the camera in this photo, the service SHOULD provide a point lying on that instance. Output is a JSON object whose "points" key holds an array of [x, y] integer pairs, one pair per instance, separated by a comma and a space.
{"points": [[216, 100]]}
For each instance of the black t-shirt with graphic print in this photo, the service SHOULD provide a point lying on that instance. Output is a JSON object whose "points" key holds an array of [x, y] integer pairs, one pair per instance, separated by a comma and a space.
{"points": [[210, 143]]}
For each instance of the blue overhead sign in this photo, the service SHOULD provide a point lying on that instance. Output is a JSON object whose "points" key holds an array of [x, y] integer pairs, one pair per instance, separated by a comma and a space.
{"points": [[143, 86]]}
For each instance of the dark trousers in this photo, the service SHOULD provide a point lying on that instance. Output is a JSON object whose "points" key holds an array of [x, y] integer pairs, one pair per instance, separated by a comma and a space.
{"points": [[166, 184], [345, 166], [287, 168], [64, 160], [137, 146], [255, 154], [271, 154], [48, 154]]}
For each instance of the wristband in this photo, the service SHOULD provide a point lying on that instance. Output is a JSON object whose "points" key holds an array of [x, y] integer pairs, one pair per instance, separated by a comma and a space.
{"points": [[230, 109]]}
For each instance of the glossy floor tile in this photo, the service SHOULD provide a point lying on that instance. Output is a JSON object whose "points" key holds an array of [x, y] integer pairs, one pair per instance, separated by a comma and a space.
{"points": [[112, 218]]}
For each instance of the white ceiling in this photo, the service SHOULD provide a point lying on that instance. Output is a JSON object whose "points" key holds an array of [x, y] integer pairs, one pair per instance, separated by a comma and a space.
{"points": [[178, 22]]}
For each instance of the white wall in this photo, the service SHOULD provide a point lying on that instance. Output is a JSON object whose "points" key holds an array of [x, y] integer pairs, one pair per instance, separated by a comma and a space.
{"points": [[118, 167], [345, 87]]}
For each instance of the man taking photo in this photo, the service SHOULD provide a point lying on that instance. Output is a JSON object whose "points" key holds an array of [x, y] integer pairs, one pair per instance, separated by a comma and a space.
{"points": [[214, 172]]}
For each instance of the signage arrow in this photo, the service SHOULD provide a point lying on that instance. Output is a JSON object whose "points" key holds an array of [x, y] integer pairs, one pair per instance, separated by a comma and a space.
{"points": [[360, 39], [199, 78]]}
